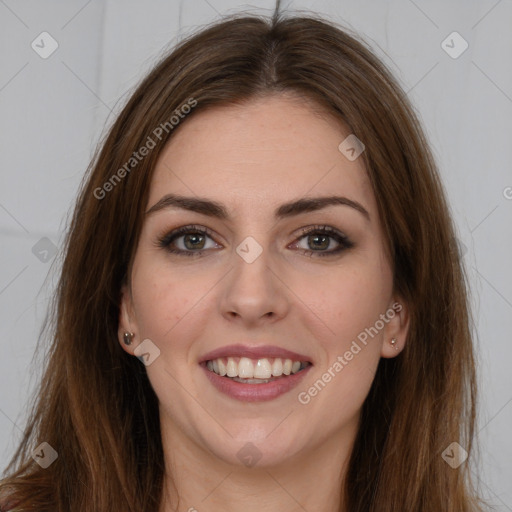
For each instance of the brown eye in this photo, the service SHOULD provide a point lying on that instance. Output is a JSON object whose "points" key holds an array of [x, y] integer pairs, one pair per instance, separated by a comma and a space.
{"points": [[193, 241], [318, 241]]}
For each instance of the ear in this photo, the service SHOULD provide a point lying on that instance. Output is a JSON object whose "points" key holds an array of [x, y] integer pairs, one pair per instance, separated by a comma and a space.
{"points": [[397, 327], [127, 319]]}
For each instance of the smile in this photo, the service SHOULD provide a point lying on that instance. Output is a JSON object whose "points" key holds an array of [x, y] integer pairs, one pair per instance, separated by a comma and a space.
{"points": [[255, 380], [255, 371]]}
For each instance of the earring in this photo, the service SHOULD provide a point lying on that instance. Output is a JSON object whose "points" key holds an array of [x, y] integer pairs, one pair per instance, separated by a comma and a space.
{"points": [[127, 338], [393, 342]]}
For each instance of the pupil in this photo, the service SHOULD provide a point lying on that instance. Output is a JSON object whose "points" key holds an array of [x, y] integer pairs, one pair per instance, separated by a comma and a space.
{"points": [[323, 238], [195, 238]]}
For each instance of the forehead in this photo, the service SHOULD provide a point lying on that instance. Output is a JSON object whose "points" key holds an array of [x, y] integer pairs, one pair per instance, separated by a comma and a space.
{"points": [[263, 152]]}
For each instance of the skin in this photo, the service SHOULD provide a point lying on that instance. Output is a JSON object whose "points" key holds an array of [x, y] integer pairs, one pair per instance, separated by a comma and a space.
{"points": [[252, 158]]}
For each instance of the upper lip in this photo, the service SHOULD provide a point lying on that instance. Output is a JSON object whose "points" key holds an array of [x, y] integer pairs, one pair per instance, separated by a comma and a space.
{"points": [[258, 352]]}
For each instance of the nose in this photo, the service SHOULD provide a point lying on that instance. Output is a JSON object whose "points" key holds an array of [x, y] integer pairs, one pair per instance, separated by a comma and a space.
{"points": [[253, 293]]}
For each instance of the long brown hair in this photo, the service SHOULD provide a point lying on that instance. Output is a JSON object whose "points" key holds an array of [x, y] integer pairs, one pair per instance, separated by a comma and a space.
{"points": [[95, 405]]}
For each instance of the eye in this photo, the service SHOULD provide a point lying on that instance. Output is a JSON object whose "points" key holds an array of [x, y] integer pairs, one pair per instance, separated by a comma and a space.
{"points": [[187, 241], [315, 241], [322, 241]]}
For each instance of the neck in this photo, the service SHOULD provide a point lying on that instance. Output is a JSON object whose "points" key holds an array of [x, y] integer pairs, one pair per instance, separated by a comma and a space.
{"points": [[310, 480]]}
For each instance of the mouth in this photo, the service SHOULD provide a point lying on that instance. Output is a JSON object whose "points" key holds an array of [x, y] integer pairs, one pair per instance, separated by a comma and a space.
{"points": [[245, 370], [254, 374]]}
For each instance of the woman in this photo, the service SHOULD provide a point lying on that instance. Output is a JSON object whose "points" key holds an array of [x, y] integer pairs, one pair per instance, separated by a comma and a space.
{"points": [[261, 302]]}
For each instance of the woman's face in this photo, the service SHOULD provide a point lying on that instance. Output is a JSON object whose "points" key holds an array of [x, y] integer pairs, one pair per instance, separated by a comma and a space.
{"points": [[273, 272]]}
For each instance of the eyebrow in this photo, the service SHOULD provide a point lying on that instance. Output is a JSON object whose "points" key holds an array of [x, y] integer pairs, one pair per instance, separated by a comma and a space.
{"points": [[219, 211]]}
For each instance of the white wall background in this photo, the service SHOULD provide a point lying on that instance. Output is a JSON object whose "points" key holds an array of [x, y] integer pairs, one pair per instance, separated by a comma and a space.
{"points": [[53, 111]]}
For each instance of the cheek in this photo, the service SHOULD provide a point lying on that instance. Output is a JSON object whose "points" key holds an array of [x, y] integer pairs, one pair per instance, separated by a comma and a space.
{"points": [[347, 300], [350, 305], [163, 301], [354, 308]]}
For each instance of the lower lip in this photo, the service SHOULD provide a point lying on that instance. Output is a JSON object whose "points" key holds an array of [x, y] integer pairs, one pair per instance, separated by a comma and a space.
{"points": [[255, 392]]}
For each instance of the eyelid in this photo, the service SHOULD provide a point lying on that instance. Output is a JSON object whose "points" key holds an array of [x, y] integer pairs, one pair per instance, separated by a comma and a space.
{"points": [[164, 240], [321, 227]]}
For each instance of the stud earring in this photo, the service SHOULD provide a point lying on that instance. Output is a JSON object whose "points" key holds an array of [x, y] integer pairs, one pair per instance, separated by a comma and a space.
{"points": [[127, 338], [393, 342]]}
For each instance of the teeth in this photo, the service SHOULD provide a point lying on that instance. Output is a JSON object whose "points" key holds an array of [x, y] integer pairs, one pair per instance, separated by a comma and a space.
{"points": [[262, 369], [232, 368], [253, 381], [277, 367], [245, 368], [222, 368]]}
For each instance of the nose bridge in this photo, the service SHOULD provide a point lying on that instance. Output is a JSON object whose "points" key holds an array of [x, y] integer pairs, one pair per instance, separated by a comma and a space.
{"points": [[252, 290]]}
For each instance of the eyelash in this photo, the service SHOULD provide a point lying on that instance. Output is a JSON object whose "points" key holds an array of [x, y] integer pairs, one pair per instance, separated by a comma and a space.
{"points": [[345, 243]]}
